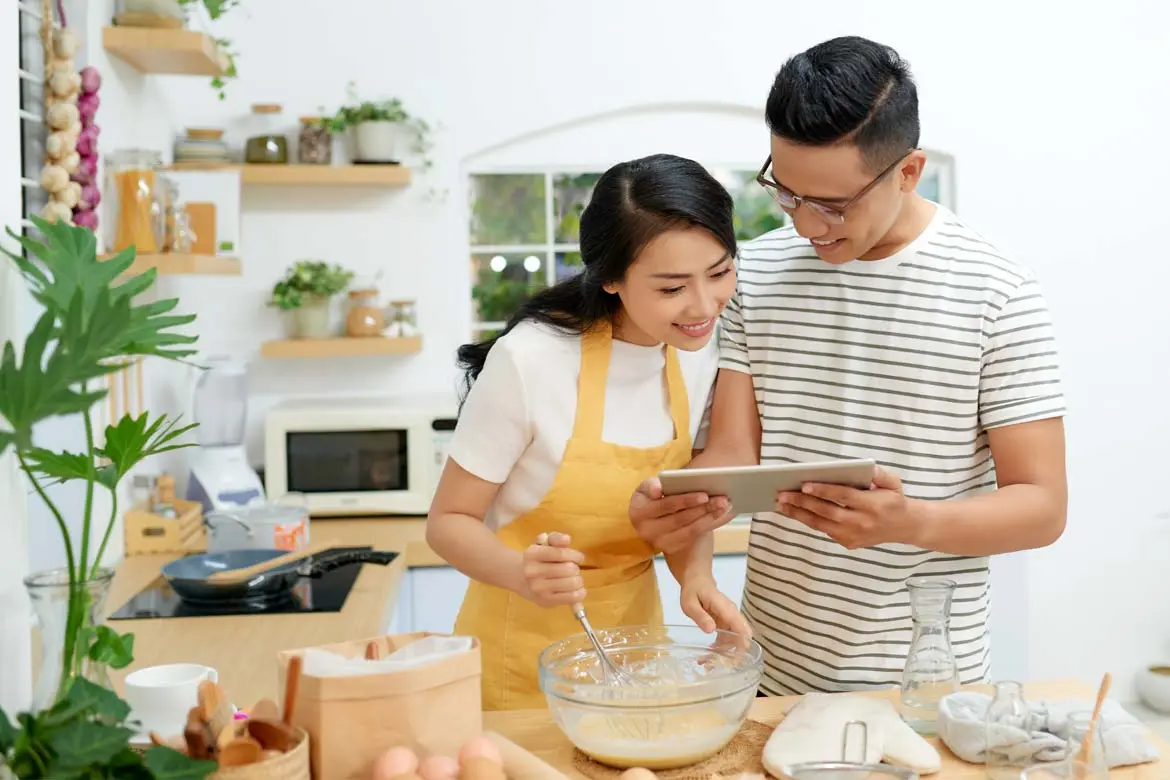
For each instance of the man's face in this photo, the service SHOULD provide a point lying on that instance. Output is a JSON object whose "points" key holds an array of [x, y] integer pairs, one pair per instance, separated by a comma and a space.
{"points": [[833, 176]]}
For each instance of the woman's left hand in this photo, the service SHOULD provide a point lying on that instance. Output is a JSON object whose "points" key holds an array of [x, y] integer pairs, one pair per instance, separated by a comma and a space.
{"points": [[703, 603]]}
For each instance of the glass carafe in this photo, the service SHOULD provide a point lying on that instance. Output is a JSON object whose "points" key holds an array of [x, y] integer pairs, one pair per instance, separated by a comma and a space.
{"points": [[931, 670], [221, 403], [1007, 723]]}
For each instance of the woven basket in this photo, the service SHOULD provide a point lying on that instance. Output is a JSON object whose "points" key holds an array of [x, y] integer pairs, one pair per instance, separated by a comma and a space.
{"points": [[293, 765]]}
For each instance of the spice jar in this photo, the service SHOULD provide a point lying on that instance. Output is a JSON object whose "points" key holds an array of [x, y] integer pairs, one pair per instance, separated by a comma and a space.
{"points": [[364, 317], [137, 211], [267, 144], [315, 143], [403, 321]]}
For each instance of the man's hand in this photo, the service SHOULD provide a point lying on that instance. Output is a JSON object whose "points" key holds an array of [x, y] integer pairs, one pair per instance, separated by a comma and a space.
{"points": [[703, 603], [673, 523], [856, 518]]}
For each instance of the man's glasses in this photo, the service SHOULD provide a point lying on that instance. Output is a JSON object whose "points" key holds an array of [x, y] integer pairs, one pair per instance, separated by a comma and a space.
{"points": [[831, 214]]}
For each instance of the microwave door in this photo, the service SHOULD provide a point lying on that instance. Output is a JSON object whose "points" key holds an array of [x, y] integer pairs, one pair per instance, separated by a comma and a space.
{"points": [[348, 461]]}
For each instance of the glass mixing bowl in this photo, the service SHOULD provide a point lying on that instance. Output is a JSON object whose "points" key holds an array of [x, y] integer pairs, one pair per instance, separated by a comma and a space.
{"points": [[693, 694]]}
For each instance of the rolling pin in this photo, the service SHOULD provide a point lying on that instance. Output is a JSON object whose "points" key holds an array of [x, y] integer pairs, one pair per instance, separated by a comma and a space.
{"points": [[519, 763]]}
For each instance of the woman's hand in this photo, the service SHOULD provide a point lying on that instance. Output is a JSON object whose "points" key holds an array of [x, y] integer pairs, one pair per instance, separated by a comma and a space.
{"points": [[551, 576], [703, 603]]}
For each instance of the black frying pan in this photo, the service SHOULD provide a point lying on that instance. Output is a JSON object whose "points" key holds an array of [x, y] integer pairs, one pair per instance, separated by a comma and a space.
{"points": [[188, 576]]}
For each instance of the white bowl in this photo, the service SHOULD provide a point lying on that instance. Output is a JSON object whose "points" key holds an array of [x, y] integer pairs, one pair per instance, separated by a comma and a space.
{"points": [[1153, 687]]}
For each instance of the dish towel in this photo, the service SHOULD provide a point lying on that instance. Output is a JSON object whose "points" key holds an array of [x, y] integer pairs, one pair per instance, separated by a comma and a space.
{"points": [[961, 727]]}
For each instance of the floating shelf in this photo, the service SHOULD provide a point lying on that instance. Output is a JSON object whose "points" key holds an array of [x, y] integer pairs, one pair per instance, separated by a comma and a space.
{"points": [[179, 264], [156, 50], [341, 347], [311, 175]]}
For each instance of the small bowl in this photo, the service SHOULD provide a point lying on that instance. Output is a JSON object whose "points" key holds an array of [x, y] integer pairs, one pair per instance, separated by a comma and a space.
{"points": [[699, 688], [1153, 687]]}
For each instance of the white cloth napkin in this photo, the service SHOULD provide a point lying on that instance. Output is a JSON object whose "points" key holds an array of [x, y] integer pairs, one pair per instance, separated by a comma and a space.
{"points": [[961, 727]]}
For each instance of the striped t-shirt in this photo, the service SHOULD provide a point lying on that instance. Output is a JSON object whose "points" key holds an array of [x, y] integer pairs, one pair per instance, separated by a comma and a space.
{"points": [[907, 360]]}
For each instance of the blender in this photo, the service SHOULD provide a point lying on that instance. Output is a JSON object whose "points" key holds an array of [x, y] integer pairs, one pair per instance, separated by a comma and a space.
{"points": [[220, 476]]}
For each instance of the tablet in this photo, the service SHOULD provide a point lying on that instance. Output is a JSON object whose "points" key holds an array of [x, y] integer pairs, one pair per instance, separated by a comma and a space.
{"points": [[754, 488]]}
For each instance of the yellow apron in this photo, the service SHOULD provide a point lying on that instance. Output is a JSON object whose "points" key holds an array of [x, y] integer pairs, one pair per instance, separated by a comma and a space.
{"points": [[589, 500]]}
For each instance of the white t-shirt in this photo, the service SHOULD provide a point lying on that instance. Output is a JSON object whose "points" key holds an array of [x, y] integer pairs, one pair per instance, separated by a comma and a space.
{"points": [[909, 360], [519, 414]]}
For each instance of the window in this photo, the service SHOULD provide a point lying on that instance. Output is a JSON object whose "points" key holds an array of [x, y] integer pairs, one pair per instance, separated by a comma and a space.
{"points": [[524, 232], [32, 108]]}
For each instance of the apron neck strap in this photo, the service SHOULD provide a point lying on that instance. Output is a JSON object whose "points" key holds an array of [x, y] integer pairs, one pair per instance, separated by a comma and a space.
{"points": [[596, 349]]}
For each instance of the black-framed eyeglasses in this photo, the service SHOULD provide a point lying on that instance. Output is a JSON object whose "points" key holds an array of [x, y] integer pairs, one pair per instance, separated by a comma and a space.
{"points": [[831, 214]]}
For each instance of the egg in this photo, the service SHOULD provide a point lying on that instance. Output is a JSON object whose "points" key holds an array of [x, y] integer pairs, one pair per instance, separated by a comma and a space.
{"points": [[438, 767], [395, 762], [480, 747], [638, 773]]}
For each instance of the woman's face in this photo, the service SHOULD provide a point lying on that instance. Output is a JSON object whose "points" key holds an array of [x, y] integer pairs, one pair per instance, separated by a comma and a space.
{"points": [[675, 290]]}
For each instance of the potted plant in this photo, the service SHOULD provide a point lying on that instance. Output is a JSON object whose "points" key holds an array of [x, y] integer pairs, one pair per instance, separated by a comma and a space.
{"points": [[375, 128], [305, 293], [89, 325]]}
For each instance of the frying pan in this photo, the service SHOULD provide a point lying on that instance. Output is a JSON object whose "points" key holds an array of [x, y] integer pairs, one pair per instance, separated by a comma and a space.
{"points": [[188, 576]]}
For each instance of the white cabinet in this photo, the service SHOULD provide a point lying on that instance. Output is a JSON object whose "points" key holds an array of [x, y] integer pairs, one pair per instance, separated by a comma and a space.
{"points": [[730, 573], [429, 598]]}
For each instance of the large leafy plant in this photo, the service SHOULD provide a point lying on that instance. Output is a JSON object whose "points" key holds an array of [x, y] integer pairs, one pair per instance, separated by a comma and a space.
{"points": [[90, 325]]}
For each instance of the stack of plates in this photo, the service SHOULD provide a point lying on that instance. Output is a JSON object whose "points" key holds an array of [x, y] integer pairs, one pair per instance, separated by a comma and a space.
{"points": [[202, 145]]}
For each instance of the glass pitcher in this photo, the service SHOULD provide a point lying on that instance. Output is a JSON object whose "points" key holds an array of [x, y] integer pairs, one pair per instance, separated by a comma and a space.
{"points": [[931, 671]]}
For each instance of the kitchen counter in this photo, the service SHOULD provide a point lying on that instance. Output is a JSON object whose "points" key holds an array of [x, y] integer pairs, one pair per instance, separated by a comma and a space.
{"points": [[535, 731], [243, 648]]}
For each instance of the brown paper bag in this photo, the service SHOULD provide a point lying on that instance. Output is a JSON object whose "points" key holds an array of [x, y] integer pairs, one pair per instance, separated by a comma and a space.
{"points": [[351, 721]]}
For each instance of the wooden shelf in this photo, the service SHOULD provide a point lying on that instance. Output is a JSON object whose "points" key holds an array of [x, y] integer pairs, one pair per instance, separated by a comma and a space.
{"points": [[178, 265], [341, 347], [311, 175], [155, 50]]}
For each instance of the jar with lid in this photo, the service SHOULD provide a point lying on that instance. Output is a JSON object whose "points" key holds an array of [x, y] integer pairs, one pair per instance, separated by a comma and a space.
{"points": [[137, 211], [315, 143], [365, 317], [267, 143], [403, 319]]}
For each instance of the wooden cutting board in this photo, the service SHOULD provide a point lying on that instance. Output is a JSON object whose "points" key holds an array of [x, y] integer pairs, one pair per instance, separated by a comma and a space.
{"points": [[536, 731]]}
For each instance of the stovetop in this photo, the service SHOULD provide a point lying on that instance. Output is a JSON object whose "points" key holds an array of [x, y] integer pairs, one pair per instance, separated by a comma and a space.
{"points": [[326, 593]]}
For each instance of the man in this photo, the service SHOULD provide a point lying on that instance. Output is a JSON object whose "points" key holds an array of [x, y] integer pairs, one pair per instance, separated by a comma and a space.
{"points": [[878, 325]]}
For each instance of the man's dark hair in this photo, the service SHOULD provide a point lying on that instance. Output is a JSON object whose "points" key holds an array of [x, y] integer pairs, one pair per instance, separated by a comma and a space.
{"points": [[850, 90]]}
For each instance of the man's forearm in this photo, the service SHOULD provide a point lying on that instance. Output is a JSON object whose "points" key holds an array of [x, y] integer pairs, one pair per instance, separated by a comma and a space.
{"points": [[1010, 519]]}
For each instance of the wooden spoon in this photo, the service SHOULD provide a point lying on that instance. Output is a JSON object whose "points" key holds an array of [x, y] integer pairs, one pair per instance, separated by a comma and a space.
{"points": [[265, 709], [1087, 745], [241, 752], [236, 576], [272, 734], [292, 684]]}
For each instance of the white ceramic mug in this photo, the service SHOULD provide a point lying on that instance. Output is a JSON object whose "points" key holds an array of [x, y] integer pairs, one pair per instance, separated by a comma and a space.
{"points": [[160, 696]]}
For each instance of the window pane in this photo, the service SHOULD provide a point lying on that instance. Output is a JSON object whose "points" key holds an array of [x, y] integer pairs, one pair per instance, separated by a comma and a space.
{"points": [[568, 264], [503, 282], [571, 193], [507, 209], [755, 211]]}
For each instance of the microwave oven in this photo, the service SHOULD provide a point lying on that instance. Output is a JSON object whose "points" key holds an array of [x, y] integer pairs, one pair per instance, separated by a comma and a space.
{"points": [[357, 456]]}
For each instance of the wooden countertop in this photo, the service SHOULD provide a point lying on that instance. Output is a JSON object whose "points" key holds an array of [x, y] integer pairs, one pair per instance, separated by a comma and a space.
{"points": [[243, 648], [535, 731]]}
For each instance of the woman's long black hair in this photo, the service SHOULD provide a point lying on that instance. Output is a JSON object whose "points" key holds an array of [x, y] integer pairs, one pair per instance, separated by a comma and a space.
{"points": [[633, 203]]}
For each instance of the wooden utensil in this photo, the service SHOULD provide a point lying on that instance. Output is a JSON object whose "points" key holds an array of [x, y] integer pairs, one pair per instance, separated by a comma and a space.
{"points": [[237, 576], [272, 734], [519, 764], [265, 709], [372, 651], [195, 733], [292, 684], [241, 752], [217, 712], [1087, 745]]}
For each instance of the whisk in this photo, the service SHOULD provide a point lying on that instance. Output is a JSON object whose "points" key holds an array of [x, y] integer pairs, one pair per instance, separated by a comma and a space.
{"points": [[633, 728]]}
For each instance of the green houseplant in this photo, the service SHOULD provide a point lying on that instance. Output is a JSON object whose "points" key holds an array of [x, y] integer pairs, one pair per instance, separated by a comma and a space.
{"points": [[376, 126], [304, 295], [88, 327]]}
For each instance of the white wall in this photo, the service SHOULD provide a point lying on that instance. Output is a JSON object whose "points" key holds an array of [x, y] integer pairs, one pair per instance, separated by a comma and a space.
{"points": [[1059, 146]]}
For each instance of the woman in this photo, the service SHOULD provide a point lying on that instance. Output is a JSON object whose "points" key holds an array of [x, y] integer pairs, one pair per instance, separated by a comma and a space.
{"points": [[595, 384]]}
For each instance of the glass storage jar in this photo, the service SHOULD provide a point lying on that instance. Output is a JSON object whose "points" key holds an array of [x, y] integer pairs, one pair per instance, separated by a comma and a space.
{"points": [[365, 317], [315, 143], [403, 319], [137, 199], [267, 144]]}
